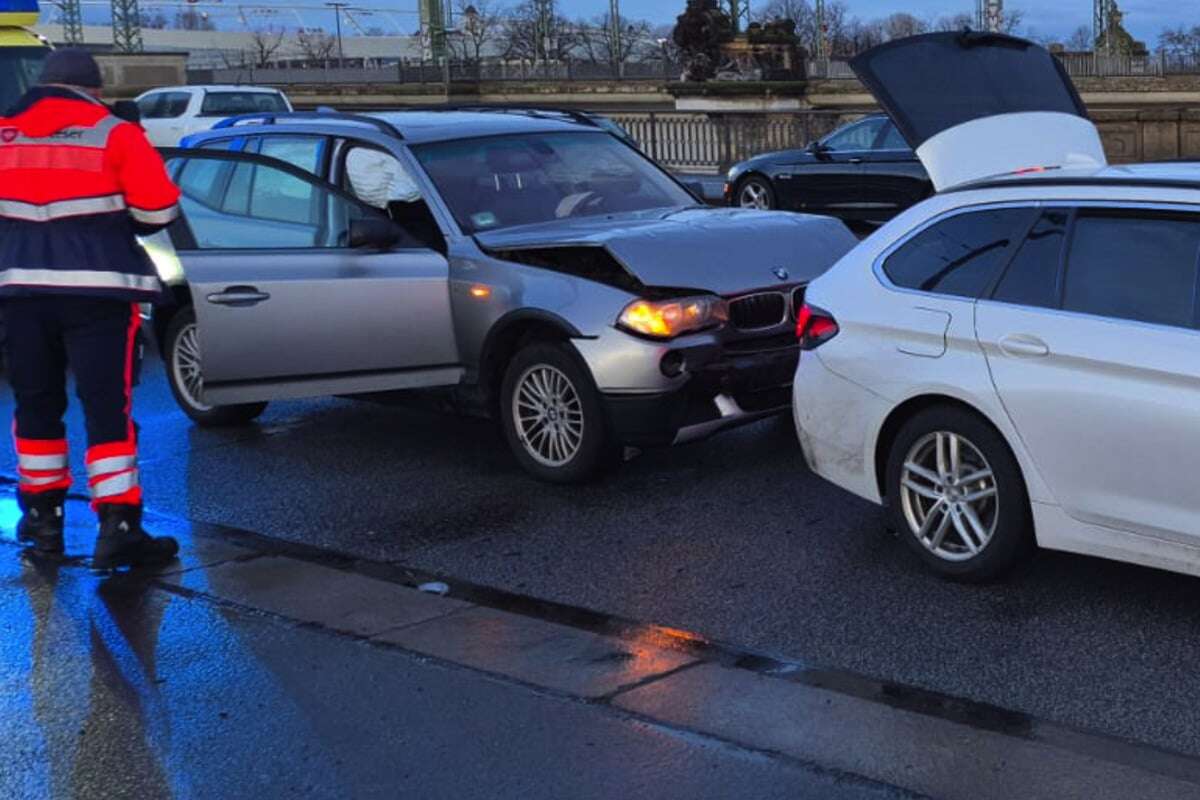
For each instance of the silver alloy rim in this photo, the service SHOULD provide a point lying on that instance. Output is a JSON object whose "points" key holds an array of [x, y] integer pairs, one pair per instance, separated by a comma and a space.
{"points": [[754, 195], [548, 415], [949, 496], [185, 364]]}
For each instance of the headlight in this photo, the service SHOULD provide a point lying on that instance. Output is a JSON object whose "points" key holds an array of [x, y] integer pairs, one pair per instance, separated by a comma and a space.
{"points": [[666, 319]]}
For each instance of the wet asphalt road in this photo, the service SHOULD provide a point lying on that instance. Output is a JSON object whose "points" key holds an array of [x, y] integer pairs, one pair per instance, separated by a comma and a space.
{"points": [[731, 538]]}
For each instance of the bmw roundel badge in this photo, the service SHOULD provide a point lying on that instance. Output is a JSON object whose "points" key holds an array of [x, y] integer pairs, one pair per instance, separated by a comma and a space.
{"points": [[780, 273]]}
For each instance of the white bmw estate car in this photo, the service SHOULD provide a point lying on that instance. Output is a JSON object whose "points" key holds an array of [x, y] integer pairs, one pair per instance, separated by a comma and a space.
{"points": [[1016, 360]]}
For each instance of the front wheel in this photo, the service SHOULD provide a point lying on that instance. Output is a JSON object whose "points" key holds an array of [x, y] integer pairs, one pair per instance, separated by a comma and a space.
{"points": [[552, 415], [755, 192], [181, 351], [957, 496]]}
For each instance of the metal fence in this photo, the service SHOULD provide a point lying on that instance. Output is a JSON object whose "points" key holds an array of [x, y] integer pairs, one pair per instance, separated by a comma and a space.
{"points": [[711, 143], [406, 71]]}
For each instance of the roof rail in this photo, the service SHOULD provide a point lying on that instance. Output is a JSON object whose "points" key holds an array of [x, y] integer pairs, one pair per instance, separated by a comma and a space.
{"points": [[575, 115], [271, 118]]}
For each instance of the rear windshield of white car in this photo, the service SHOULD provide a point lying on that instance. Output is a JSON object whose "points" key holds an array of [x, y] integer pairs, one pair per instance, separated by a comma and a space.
{"points": [[502, 181], [226, 104]]}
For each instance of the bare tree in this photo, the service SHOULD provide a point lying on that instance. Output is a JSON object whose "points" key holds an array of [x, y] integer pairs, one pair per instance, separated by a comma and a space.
{"points": [[480, 24], [901, 25], [955, 22], [1080, 40], [600, 42], [1180, 41], [264, 44], [534, 31], [316, 45]]}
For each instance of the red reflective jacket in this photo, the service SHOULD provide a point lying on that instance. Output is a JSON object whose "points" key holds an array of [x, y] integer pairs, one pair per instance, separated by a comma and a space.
{"points": [[77, 185]]}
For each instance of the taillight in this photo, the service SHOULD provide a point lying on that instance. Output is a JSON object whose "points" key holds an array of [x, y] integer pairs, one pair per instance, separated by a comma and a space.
{"points": [[814, 327]]}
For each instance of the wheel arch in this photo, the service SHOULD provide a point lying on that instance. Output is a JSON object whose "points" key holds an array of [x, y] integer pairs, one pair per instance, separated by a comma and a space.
{"points": [[905, 411], [180, 298], [508, 335]]}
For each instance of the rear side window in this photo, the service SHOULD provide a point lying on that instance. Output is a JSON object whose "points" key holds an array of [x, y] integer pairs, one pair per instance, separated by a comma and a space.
{"points": [[1032, 277], [305, 152], [1139, 267], [226, 104], [164, 105], [960, 255]]}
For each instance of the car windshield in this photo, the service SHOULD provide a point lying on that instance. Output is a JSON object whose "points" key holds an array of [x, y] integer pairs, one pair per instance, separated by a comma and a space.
{"points": [[19, 69], [503, 181]]}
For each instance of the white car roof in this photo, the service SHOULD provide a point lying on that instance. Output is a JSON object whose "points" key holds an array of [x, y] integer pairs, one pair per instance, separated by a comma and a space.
{"points": [[219, 87]]}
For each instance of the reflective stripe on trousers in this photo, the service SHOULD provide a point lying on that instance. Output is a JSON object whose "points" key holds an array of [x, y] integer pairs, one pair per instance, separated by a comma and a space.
{"points": [[113, 473], [42, 465]]}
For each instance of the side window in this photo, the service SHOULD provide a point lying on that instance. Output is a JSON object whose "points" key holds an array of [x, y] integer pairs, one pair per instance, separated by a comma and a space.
{"points": [[220, 144], [164, 105], [304, 152], [1032, 277], [959, 255], [891, 139], [247, 205], [1139, 266], [148, 105], [380, 180], [858, 136]]}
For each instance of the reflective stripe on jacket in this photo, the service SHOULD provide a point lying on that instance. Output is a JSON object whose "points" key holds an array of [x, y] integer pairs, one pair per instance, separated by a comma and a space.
{"points": [[77, 185]]}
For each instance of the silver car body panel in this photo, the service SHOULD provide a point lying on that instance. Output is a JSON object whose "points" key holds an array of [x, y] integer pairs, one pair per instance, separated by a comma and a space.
{"points": [[253, 346], [456, 305], [706, 249]]}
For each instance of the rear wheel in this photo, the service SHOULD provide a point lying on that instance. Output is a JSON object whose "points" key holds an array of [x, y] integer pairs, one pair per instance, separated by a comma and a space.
{"points": [[957, 495], [552, 415], [755, 192], [181, 352]]}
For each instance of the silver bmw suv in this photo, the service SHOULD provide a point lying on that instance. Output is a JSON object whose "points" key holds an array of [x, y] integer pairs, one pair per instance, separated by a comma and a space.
{"points": [[542, 269]]}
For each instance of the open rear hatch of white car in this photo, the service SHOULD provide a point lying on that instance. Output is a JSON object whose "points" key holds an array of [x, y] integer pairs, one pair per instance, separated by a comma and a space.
{"points": [[976, 105]]}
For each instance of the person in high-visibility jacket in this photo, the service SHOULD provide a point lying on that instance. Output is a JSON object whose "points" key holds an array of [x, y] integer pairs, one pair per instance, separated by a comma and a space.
{"points": [[77, 186]]}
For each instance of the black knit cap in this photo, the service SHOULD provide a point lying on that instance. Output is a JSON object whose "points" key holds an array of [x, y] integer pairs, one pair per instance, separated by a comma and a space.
{"points": [[72, 66]]}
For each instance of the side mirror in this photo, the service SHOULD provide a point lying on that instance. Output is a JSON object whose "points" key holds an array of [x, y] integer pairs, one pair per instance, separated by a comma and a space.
{"points": [[374, 233], [819, 150], [128, 111]]}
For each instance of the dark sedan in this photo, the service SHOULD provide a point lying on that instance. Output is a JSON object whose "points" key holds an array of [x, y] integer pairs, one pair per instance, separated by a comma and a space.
{"points": [[862, 172]]}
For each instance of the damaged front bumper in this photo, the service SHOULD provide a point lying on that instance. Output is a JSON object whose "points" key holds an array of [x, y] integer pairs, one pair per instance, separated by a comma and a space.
{"points": [[725, 385]]}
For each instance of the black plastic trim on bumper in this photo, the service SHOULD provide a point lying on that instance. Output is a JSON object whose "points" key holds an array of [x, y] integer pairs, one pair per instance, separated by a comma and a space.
{"points": [[754, 385]]}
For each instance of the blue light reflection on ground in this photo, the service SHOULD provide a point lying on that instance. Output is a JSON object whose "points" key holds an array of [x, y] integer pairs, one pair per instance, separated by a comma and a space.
{"points": [[10, 514]]}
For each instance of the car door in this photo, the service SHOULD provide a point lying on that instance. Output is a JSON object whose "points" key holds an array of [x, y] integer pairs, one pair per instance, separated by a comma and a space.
{"points": [[892, 177], [975, 105], [285, 306], [162, 116], [1091, 341], [830, 180]]}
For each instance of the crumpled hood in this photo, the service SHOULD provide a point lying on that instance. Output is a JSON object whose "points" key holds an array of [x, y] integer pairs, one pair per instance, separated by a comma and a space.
{"points": [[726, 251]]}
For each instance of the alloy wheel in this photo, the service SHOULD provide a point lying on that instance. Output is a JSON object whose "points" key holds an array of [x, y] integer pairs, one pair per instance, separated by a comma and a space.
{"points": [[754, 195], [185, 364], [548, 415], [948, 495]]}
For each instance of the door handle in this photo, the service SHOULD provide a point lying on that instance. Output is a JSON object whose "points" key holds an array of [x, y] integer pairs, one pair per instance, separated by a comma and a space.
{"points": [[1023, 345], [238, 296], [855, 160]]}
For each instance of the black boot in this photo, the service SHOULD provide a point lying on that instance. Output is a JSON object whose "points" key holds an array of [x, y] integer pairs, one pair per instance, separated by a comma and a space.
{"points": [[123, 543], [41, 524]]}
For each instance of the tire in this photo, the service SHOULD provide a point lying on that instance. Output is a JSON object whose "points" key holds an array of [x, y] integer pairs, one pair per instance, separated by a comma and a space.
{"points": [[565, 452], [1004, 534], [177, 350], [758, 186]]}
